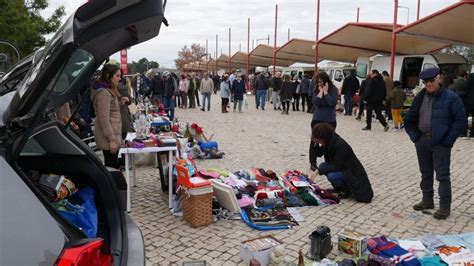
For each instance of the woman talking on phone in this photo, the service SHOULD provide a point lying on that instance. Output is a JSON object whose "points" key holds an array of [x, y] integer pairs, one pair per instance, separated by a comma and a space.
{"points": [[324, 102]]}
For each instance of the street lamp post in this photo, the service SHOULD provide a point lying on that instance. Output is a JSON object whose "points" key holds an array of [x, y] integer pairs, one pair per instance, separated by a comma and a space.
{"points": [[408, 12]]}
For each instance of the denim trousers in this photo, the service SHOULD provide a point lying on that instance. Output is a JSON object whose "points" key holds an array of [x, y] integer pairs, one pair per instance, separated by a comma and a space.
{"points": [[261, 96], [206, 96], [335, 178], [348, 104], [169, 104]]}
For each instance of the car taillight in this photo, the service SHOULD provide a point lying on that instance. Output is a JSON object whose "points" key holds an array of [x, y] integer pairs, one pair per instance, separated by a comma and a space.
{"points": [[92, 253]]}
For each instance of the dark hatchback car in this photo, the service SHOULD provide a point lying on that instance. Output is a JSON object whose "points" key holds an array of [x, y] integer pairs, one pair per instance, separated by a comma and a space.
{"points": [[32, 230]]}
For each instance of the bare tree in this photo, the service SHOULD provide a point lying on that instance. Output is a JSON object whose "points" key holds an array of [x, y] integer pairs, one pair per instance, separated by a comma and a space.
{"points": [[189, 54]]}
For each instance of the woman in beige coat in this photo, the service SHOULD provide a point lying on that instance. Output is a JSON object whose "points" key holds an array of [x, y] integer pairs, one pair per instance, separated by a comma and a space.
{"points": [[108, 122]]}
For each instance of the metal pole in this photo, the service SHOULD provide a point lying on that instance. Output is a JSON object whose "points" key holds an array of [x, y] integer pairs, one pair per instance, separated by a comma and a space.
{"points": [[240, 47], [317, 39], [394, 38], [268, 40], [253, 44], [275, 40], [207, 54], [248, 55], [358, 9], [418, 11], [228, 62], [288, 34]]}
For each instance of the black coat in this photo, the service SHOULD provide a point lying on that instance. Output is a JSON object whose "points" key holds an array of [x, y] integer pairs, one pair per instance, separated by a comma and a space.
{"points": [[157, 86], [261, 83], [350, 85], [342, 159], [238, 89], [287, 90], [375, 92]]}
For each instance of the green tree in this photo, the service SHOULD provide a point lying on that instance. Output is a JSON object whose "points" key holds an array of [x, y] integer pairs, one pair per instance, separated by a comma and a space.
{"points": [[22, 24], [142, 65], [189, 54]]}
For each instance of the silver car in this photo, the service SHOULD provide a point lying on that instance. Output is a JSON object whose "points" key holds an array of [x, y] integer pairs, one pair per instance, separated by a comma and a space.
{"points": [[32, 231]]}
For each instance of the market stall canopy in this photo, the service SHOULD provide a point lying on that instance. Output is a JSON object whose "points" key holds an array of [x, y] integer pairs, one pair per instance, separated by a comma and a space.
{"points": [[222, 61], [240, 58], [362, 39], [452, 25], [262, 55], [297, 51]]}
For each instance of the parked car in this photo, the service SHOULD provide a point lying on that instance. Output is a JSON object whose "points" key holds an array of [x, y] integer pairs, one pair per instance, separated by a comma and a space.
{"points": [[32, 230]]}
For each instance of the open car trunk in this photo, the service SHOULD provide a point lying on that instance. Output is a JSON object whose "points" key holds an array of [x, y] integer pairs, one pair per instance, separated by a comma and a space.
{"points": [[53, 150]]}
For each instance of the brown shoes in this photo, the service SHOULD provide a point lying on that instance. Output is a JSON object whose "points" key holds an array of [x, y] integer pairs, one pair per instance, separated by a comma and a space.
{"points": [[442, 213], [423, 205]]}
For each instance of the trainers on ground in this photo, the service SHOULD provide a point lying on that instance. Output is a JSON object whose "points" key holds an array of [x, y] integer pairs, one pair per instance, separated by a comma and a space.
{"points": [[423, 205], [366, 128], [386, 128], [442, 213]]}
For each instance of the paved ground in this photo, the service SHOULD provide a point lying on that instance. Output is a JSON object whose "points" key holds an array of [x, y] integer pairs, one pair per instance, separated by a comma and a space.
{"points": [[270, 140]]}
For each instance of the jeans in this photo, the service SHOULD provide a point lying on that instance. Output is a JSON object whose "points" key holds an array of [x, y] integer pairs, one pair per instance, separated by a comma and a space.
{"points": [[276, 99], [169, 104], [335, 178], [348, 104], [261, 96], [377, 107], [312, 154], [206, 95], [434, 159]]}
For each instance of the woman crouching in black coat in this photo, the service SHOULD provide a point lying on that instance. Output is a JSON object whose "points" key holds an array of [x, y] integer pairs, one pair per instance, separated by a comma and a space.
{"points": [[341, 166]]}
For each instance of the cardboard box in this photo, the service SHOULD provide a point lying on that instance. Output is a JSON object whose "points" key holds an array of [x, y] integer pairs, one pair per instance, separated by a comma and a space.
{"points": [[352, 243], [258, 248]]}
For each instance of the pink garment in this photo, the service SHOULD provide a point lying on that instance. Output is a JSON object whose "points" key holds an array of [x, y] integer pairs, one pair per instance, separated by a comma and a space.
{"points": [[184, 85], [245, 201]]}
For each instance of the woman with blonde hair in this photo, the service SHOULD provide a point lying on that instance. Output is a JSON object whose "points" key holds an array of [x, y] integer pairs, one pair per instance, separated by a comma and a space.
{"points": [[108, 123]]}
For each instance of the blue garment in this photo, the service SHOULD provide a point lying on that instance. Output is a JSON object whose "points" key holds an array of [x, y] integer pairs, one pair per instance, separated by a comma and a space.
{"points": [[261, 96], [348, 104], [169, 104], [448, 118], [206, 95], [335, 178], [325, 107]]}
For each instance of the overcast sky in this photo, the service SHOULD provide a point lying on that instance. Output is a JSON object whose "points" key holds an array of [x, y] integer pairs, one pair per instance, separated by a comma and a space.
{"points": [[198, 20]]}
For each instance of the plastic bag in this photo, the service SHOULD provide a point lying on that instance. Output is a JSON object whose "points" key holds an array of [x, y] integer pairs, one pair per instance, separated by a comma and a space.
{"points": [[80, 210]]}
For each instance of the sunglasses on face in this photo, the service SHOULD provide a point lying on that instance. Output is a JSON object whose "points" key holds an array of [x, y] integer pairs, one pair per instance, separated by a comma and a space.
{"points": [[428, 81]]}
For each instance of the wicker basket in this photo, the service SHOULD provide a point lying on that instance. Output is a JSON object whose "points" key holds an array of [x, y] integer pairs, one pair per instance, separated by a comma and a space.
{"points": [[197, 206]]}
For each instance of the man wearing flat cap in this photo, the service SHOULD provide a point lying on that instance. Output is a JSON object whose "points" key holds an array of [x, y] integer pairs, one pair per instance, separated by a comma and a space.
{"points": [[434, 121]]}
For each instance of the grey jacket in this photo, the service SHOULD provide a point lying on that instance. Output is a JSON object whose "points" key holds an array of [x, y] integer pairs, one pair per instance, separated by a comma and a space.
{"points": [[225, 89]]}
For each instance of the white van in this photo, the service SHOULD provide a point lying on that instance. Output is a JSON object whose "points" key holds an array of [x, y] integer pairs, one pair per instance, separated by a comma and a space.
{"points": [[408, 67], [336, 73]]}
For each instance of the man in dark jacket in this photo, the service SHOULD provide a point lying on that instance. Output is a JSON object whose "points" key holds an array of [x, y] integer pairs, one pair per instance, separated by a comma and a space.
{"points": [[277, 82], [157, 89], [349, 88], [342, 167], [434, 121], [261, 85], [192, 91], [374, 95], [169, 95]]}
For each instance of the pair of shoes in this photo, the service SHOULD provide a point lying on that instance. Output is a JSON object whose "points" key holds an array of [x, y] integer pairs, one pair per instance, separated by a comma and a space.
{"points": [[386, 128], [366, 128], [424, 205], [442, 213], [279, 108], [202, 109], [274, 108], [358, 118], [344, 195], [263, 108]]}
